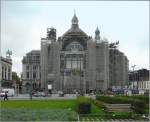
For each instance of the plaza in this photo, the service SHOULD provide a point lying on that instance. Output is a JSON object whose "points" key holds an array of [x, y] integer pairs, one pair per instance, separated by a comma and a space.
{"points": [[63, 109], [82, 61]]}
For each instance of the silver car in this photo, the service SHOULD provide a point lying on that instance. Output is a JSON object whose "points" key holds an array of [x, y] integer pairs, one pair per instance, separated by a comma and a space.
{"points": [[39, 94]]}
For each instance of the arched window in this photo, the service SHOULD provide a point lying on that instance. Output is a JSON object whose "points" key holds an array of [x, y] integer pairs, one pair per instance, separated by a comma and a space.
{"points": [[74, 46], [74, 62]]}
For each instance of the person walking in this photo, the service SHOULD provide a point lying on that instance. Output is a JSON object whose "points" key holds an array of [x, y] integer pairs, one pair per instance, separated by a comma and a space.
{"points": [[5, 96]]}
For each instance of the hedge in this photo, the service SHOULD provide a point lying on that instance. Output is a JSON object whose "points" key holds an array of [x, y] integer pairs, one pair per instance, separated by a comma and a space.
{"points": [[98, 103], [144, 98], [83, 105], [138, 105]]}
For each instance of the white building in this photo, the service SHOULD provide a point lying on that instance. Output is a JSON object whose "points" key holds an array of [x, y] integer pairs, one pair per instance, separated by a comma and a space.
{"points": [[31, 70], [139, 79], [6, 72], [144, 85]]}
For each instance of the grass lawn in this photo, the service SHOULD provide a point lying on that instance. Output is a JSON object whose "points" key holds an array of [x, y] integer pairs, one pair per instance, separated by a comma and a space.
{"points": [[49, 110], [97, 110], [38, 115], [39, 104], [43, 110], [45, 104]]}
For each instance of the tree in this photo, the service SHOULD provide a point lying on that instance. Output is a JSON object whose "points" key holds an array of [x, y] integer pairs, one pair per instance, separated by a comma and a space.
{"points": [[16, 79]]}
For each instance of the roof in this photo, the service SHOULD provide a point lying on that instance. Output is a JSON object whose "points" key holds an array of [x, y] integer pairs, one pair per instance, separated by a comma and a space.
{"points": [[74, 30], [33, 52], [6, 60]]}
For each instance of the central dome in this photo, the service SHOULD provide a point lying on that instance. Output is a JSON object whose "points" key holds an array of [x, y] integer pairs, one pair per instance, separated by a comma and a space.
{"points": [[74, 30]]}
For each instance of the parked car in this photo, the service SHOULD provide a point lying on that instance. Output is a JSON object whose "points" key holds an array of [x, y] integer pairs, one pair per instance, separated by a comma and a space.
{"points": [[39, 94], [2, 94], [61, 94], [10, 92]]}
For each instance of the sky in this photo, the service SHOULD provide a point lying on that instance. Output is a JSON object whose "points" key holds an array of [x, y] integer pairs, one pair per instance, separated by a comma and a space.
{"points": [[24, 23]]}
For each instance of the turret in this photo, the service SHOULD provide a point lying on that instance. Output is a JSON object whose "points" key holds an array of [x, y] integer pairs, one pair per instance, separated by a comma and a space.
{"points": [[75, 21], [97, 35], [51, 34]]}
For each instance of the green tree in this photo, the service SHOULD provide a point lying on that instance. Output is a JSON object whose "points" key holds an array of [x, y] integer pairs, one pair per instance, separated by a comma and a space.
{"points": [[16, 79]]}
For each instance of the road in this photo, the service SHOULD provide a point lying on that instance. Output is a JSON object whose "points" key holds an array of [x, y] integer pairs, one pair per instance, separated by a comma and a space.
{"points": [[53, 96]]}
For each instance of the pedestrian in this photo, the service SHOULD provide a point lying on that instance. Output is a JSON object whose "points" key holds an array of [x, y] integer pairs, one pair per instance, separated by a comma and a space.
{"points": [[5, 96]]}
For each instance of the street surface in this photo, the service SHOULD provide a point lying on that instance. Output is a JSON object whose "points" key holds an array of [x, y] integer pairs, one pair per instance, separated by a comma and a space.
{"points": [[53, 96]]}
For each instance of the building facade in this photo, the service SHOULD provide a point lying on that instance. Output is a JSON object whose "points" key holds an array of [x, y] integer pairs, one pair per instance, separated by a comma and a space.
{"points": [[77, 62], [139, 79], [118, 68], [6, 72], [31, 72]]}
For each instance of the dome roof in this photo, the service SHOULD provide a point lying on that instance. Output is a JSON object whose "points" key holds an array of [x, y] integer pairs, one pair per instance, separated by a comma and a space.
{"points": [[74, 30]]}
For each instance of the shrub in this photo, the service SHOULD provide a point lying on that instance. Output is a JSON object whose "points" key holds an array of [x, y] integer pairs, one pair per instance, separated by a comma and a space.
{"points": [[111, 100], [98, 103], [144, 98], [83, 105], [138, 105], [122, 115]]}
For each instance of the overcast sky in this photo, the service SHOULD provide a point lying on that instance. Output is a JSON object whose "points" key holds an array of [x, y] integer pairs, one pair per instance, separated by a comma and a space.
{"points": [[24, 23]]}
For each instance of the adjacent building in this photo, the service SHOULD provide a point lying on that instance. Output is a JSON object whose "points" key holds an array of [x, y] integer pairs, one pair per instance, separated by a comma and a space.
{"points": [[6, 72], [31, 72], [139, 79], [118, 68]]}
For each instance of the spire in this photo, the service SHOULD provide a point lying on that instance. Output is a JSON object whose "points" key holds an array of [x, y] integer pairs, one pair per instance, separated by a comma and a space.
{"points": [[97, 31], [97, 34], [74, 19]]}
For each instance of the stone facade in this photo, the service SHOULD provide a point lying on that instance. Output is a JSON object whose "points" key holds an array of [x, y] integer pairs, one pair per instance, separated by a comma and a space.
{"points": [[77, 62], [31, 72], [6, 72], [118, 68]]}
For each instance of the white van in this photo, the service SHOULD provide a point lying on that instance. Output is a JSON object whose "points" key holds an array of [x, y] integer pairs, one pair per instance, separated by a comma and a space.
{"points": [[10, 92]]}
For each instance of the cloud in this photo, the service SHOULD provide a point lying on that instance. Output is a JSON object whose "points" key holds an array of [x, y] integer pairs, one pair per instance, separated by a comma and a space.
{"points": [[17, 64], [24, 23]]}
